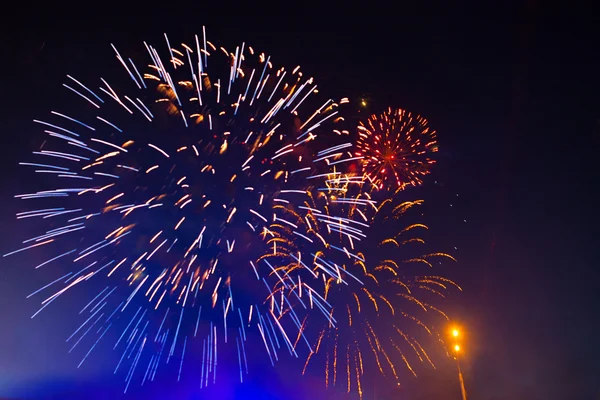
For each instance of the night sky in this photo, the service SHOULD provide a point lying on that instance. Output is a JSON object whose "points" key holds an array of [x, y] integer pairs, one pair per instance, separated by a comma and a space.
{"points": [[514, 95]]}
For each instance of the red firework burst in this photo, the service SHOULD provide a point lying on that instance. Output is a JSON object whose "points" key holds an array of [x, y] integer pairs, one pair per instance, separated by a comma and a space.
{"points": [[396, 147]]}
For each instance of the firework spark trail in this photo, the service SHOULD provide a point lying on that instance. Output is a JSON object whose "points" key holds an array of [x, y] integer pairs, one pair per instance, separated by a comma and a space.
{"points": [[173, 177], [396, 148], [387, 316]]}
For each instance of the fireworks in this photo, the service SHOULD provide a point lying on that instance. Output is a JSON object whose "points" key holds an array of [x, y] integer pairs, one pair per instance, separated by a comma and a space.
{"points": [[171, 185], [385, 318], [202, 194], [396, 147]]}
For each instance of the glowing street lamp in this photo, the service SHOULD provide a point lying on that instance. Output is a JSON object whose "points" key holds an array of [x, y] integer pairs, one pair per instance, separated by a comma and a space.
{"points": [[455, 332]]}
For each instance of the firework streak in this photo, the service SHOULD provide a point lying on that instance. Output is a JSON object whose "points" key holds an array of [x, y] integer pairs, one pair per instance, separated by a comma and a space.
{"points": [[171, 187]]}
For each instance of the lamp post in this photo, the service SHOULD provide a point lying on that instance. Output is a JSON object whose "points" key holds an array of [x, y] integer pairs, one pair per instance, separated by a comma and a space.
{"points": [[456, 334]]}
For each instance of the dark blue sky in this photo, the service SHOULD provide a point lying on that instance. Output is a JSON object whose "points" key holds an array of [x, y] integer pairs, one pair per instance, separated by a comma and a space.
{"points": [[514, 95]]}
